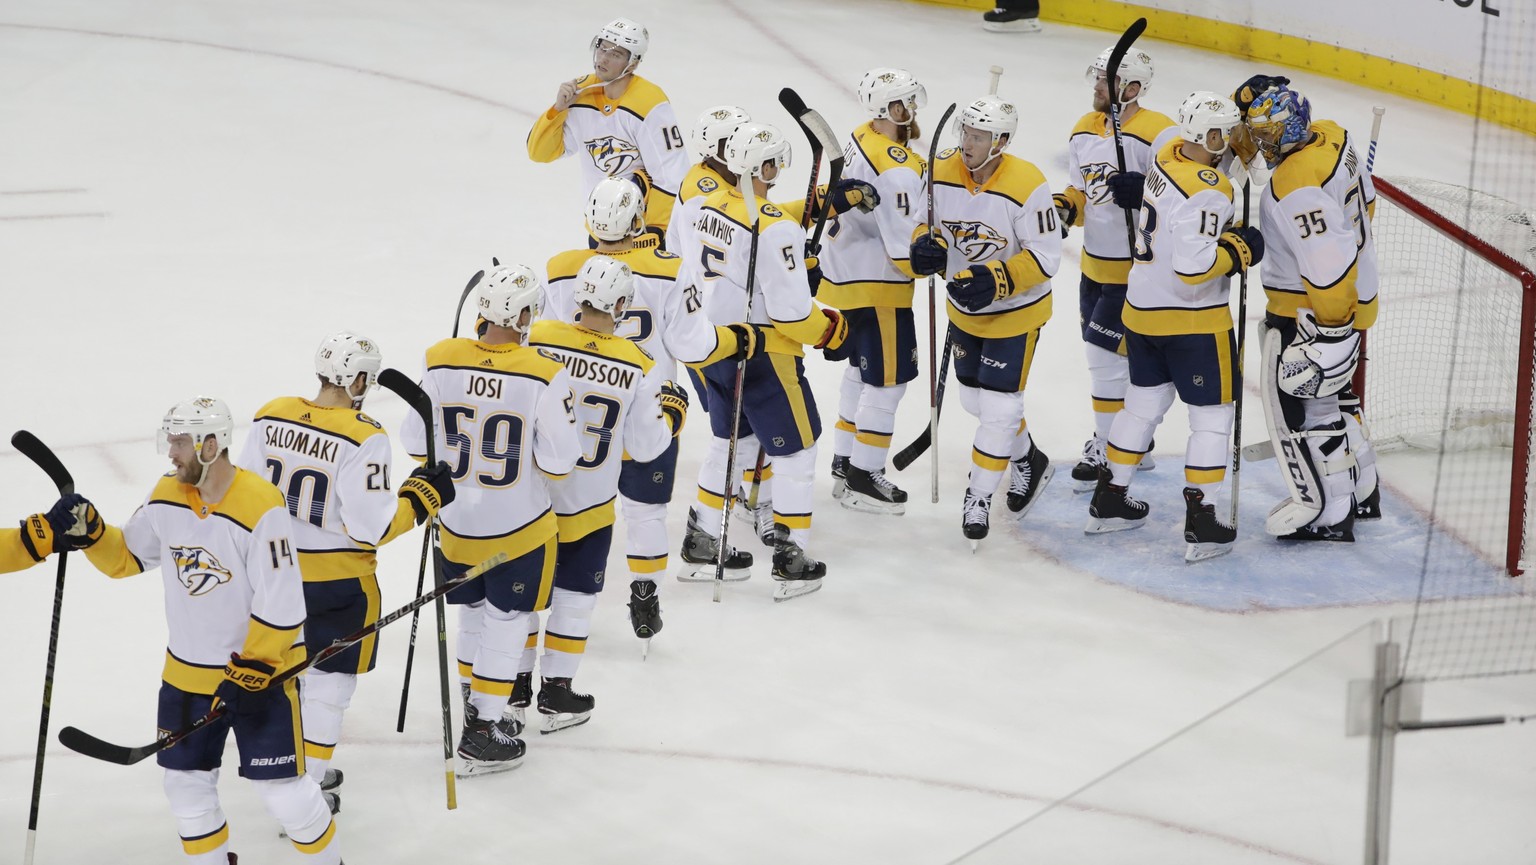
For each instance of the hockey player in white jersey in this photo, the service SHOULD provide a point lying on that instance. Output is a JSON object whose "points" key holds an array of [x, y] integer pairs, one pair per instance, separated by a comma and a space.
{"points": [[867, 275], [623, 405], [618, 124], [505, 423], [998, 241], [1097, 198], [665, 317], [1320, 280], [234, 606], [332, 462], [1179, 337]]}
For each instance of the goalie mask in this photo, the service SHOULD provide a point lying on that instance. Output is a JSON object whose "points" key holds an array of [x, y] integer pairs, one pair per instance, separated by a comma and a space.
{"points": [[341, 356], [606, 284], [752, 145], [881, 87], [616, 209], [1280, 120], [506, 293], [1204, 111], [714, 127]]}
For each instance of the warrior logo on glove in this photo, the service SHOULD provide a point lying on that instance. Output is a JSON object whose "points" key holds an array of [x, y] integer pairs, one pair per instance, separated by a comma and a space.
{"points": [[199, 570], [977, 241]]}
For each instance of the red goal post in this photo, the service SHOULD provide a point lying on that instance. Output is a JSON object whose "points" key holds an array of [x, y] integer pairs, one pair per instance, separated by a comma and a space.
{"points": [[1448, 364]]}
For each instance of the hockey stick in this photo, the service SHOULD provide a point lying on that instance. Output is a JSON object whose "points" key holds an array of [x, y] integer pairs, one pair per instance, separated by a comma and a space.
{"points": [[81, 742], [39, 453], [1370, 156], [1237, 408], [823, 140], [419, 402], [750, 196], [1112, 72], [426, 540]]}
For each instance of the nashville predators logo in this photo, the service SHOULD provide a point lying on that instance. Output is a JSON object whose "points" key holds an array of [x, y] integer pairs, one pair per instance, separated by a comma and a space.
{"points": [[707, 185], [1096, 179], [977, 241], [613, 156], [199, 570]]}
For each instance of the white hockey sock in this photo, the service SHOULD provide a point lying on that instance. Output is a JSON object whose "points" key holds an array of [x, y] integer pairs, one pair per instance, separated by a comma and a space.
{"points": [[530, 655], [194, 798], [1111, 375], [1130, 436], [876, 421], [565, 633], [495, 671], [645, 538], [299, 807], [1209, 448], [794, 492], [1022, 442], [746, 464], [1001, 416], [849, 391], [471, 623], [323, 698], [711, 501]]}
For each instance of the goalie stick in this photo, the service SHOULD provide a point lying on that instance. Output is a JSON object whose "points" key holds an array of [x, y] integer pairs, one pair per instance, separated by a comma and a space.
{"points": [[419, 402], [33, 449], [82, 742]]}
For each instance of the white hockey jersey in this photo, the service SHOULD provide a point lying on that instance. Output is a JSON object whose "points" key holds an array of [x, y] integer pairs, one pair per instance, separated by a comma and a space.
{"points": [[333, 466], [1091, 160], [700, 182], [504, 421], [864, 255], [1009, 219], [1318, 248], [230, 571], [635, 134], [616, 388], [1179, 284]]}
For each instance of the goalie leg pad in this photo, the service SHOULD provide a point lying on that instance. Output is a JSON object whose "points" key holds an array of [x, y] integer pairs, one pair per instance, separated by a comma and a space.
{"points": [[1296, 467]]}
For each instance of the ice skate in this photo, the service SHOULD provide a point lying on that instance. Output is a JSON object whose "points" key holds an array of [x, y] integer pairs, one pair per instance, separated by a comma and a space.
{"points": [[974, 516], [1027, 477], [1369, 508], [699, 555], [872, 493], [562, 707], [515, 715], [797, 573], [332, 779], [839, 476], [487, 746], [1008, 21], [1205, 535], [758, 519], [1113, 509], [1085, 475], [644, 613], [1342, 532]]}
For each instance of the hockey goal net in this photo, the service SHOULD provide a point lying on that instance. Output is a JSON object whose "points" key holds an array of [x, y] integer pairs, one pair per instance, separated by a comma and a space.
{"points": [[1448, 365]]}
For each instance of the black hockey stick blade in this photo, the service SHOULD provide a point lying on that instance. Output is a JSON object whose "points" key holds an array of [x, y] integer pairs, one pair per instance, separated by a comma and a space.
{"points": [[458, 312], [1131, 34], [33, 449], [909, 454]]}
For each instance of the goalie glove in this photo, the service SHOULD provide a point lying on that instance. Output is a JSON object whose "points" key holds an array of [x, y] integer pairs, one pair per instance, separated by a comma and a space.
{"points": [[976, 288], [1321, 360]]}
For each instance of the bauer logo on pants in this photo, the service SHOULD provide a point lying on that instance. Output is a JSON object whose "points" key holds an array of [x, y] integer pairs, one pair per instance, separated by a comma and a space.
{"points": [[199, 570]]}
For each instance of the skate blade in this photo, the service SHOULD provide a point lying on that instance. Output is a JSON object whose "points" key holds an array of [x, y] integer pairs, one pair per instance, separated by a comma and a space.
{"points": [[1028, 25], [476, 768], [1098, 526], [865, 505], [1045, 481], [1147, 463], [794, 588], [975, 544], [645, 648], [562, 721], [839, 489], [706, 574], [1201, 552], [1082, 486]]}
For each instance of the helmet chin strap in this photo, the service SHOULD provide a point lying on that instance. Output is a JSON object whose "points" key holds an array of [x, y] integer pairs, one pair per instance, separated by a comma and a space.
{"points": [[203, 476]]}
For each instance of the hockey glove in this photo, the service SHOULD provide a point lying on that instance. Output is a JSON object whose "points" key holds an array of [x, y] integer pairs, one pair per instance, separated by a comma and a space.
{"points": [[74, 522], [749, 340], [1066, 212], [835, 337], [929, 254], [1252, 88], [1125, 189], [674, 405], [848, 194], [1246, 246], [813, 274], [975, 288], [1321, 360], [244, 689], [428, 489]]}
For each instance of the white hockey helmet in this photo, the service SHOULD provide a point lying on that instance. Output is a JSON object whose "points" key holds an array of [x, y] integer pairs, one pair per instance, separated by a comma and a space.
{"points": [[626, 34], [992, 114], [714, 127], [604, 283], [1203, 111], [613, 207], [198, 417], [344, 354], [880, 87], [753, 144], [1135, 66], [506, 291]]}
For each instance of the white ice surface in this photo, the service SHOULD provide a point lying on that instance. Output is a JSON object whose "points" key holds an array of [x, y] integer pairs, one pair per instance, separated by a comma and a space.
{"points": [[230, 181]]}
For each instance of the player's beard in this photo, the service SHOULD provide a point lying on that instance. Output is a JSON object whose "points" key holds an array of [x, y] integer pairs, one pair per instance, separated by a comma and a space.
{"points": [[189, 474], [1101, 103], [910, 131]]}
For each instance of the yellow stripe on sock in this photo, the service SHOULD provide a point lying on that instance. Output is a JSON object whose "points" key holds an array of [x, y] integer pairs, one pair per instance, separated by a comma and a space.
{"points": [[987, 461], [532, 642], [1125, 458], [845, 426], [318, 844], [490, 687], [711, 500], [1196, 475], [465, 669], [873, 439], [317, 751], [792, 521], [568, 645], [206, 843], [1107, 406], [647, 564]]}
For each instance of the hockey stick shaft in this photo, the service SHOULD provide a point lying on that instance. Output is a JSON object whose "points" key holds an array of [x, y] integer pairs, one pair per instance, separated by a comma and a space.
{"points": [[82, 742], [1112, 76], [1370, 156], [749, 195], [39, 453], [419, 402], [909, 454], [757, 479], [1237, 386]]}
